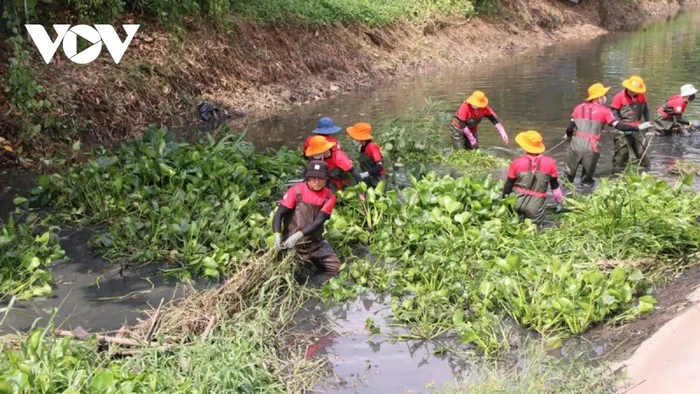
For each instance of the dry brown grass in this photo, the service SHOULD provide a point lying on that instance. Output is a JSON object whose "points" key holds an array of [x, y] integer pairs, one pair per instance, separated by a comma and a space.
{"points": [[195, 315]]}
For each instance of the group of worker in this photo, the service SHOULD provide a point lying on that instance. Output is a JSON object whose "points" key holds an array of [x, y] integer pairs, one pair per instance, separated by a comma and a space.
{"points": [[533, 173], [298, 222], [306, 206]]}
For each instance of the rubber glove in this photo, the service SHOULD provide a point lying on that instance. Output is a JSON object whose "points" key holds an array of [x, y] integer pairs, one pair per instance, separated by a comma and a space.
{"points": [[645, 126], [558, 195], [364, 175], [293, 240], [278, 241], [470, 136], [502, 132]]}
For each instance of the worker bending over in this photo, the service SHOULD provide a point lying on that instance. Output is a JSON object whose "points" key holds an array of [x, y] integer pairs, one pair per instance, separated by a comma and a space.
{"points": [[630, 106], [530, 175], [466, 122], [585, 128], [371, 160], [298, 222], [670, 115]]}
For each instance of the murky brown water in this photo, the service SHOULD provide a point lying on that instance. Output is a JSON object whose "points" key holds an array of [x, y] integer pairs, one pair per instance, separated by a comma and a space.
{"points": [[537, 89]]}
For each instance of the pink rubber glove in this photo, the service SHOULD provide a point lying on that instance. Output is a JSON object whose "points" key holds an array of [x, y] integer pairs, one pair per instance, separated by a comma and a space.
{"points": [[558, 195], [502, 132], [470, 136]]}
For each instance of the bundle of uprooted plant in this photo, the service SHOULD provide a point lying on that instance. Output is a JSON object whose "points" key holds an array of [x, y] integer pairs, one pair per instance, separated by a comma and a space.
{"points": [[194, 316]]}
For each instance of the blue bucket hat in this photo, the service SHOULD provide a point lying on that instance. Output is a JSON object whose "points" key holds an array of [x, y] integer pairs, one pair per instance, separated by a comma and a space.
{"points": [[326, 127]]}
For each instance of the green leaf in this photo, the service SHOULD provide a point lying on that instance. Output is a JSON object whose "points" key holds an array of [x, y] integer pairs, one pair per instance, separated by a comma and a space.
{"points": [[5, 387], [4, 240], [76, 146], [103, 381], [636, 276], [19, 200], [618, 275], [458, 317]]}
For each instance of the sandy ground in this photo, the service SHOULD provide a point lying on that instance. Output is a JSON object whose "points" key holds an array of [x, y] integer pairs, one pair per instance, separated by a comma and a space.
{"points": [[669, 361]]}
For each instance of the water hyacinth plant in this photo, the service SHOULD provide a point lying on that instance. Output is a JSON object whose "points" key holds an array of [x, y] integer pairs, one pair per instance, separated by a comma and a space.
{"points": [[26, 255], [203, 207], [453, 255]]}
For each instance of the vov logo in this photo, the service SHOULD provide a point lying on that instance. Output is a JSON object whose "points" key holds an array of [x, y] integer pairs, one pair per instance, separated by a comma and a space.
{"points": [[69, 37]]}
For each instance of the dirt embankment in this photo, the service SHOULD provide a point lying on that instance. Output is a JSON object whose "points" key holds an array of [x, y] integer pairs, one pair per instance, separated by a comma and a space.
{"points": [[255, 69]]}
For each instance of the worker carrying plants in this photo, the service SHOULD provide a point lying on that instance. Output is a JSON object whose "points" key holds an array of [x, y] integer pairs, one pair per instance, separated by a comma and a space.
{"points": [[585, 128], [339, 164], [530, 175], [670, 115], [371, 160], [630, 106], [326, 128], [300, 218], [466, 122]]}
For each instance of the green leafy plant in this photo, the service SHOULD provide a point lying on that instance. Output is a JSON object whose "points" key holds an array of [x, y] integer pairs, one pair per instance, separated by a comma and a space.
{"points": [[202, 207], [25, 257], [454, 256]]}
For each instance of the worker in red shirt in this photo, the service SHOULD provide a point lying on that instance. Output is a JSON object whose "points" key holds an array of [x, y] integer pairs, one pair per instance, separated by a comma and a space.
{"points": [[630, 106], [585, 128], [465, 123], [300, 217], [326, 128], [371, 160], [530, 176], [340, 167], [670, 115]]}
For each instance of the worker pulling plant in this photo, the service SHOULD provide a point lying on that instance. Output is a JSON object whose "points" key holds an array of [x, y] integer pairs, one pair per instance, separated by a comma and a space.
{"points": [[299, 219], [371, 160], [585, 128], [466, 122], [530, 175], [339, 164], [670, 115], [326, 127], [630, 106]]}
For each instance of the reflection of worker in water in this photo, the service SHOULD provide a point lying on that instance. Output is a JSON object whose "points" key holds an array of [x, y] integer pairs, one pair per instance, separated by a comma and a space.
{"points": [[630, 106], [670, 115], [300, 218], [587, 122]]}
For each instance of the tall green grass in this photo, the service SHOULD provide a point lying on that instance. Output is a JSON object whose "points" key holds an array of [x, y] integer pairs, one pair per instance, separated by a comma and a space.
{"points": [[369, 12]]}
